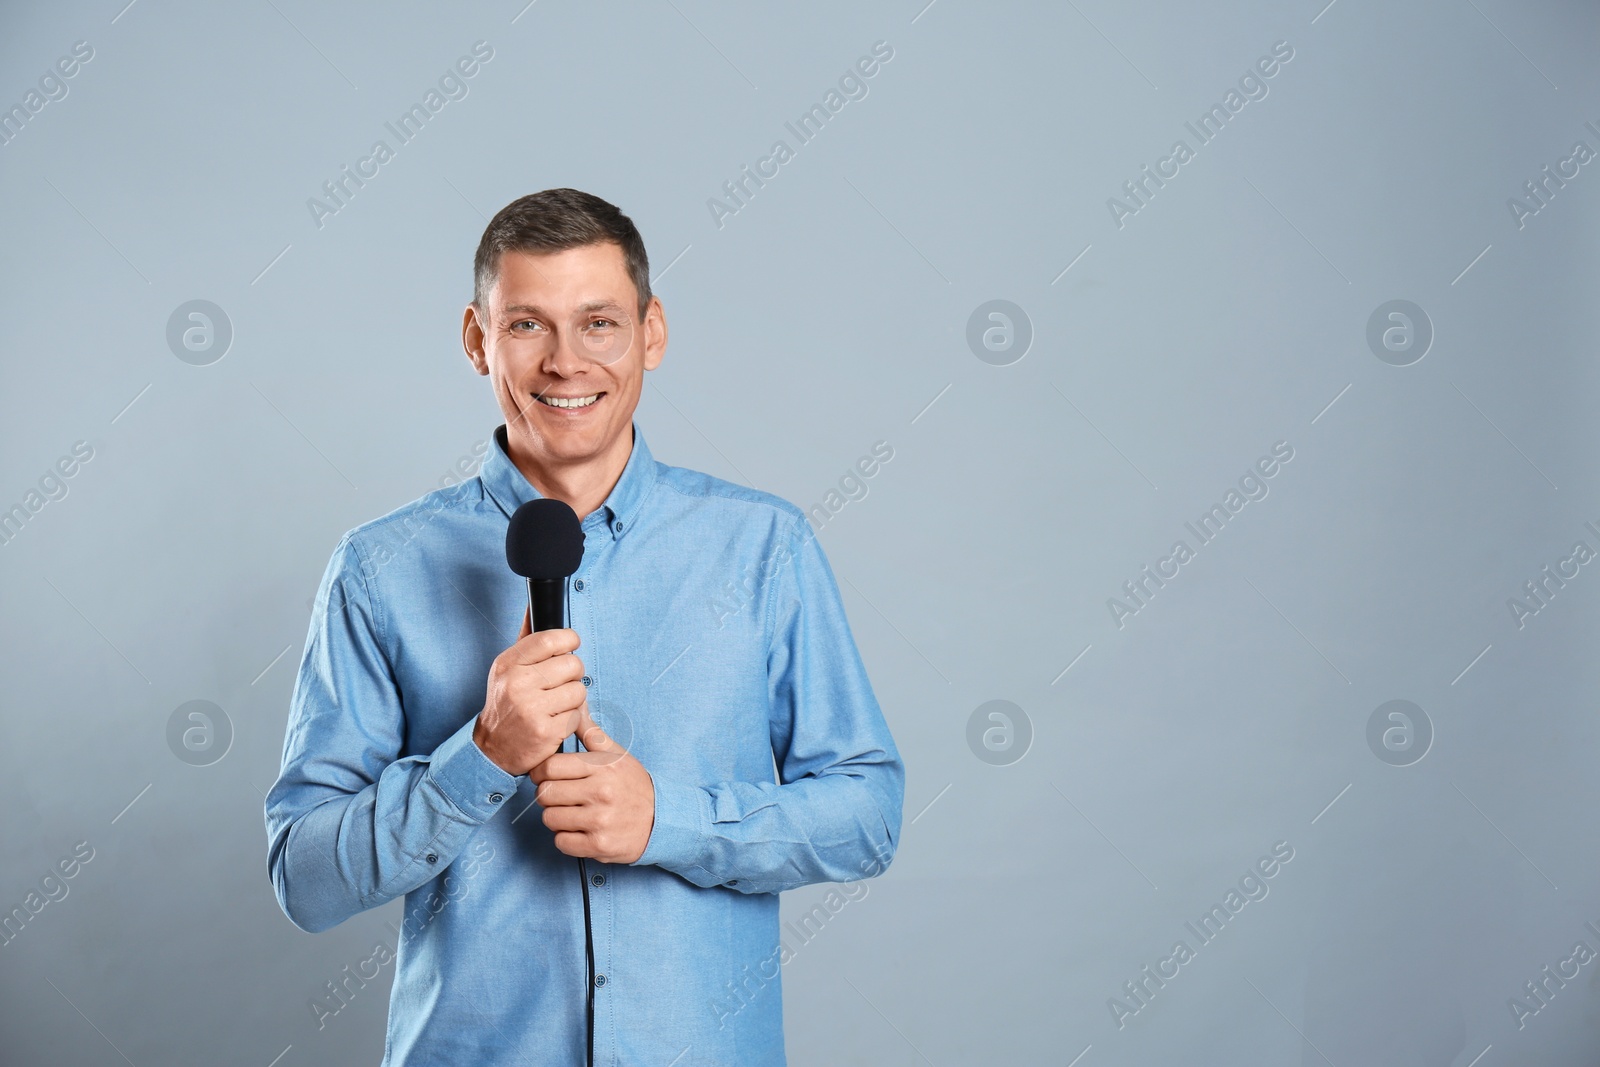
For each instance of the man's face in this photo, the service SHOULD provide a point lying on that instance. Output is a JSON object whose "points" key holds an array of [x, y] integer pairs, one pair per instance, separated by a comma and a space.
{"points": [[564, 327]]}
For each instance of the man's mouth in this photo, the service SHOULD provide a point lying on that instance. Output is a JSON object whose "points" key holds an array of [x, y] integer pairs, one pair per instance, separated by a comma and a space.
{"points": [[569, 401]]}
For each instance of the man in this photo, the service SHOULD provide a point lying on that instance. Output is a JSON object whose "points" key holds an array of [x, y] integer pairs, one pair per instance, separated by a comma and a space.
{"points": [[734, 745]]}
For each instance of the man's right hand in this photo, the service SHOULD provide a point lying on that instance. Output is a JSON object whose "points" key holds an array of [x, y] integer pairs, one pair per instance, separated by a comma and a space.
{"points": [[534, 700]]}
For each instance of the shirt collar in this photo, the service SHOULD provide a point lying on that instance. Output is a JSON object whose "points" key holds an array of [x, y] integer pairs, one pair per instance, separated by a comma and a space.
{"points": [[510, 488]]}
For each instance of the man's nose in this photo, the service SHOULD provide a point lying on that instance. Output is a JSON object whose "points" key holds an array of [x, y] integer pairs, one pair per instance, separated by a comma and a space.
{"points": [[563, 359]]}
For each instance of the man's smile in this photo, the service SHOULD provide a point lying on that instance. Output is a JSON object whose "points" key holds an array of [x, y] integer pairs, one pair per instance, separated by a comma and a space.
{"points": [[568, 401]]}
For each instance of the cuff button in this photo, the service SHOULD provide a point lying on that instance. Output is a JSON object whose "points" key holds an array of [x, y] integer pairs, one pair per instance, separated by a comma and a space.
{"points": [[495, 798]]}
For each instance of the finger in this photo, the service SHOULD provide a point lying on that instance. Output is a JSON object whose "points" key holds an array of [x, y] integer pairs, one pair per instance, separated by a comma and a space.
{"points": [[552, 676], [594, 739], [600, 748], [537, 647], [566, 699], [558, 793], [553, 672], [575, 844], [527, 625], [544, 644], [560, 767], [565, 820]]}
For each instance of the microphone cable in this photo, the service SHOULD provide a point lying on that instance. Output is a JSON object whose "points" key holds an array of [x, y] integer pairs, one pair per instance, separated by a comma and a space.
{"points": [[588, 937], [588, 952]]}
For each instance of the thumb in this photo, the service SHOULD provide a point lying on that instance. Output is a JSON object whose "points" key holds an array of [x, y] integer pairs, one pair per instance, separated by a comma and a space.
{"points": [[594, 739], [527, 625]]}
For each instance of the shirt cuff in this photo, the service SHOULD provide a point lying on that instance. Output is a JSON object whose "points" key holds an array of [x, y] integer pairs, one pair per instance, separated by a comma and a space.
{"points": [[469, 779], [682, 814]]}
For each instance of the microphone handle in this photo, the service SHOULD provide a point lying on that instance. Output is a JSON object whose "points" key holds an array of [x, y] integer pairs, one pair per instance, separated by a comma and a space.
{"points": [[547, 606], [547, 603]]}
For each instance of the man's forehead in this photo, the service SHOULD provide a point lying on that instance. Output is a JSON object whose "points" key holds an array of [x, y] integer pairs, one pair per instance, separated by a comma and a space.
{"points": [[532, 281]]}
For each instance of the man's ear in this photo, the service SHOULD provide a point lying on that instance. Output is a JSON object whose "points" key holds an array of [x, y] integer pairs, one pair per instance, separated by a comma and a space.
{"points": [[472, 336], [655, 334]]}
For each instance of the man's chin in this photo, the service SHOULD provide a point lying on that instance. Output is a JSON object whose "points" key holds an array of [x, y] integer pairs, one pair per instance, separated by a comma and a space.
{"points": [[564, 444]]}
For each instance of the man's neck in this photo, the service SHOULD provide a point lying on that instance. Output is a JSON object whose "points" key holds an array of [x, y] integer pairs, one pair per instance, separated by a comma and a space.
{"points": [[583, 485]]}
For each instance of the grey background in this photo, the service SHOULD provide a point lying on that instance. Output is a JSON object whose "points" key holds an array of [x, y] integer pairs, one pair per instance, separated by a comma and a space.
{"points": [[1228, 314]]}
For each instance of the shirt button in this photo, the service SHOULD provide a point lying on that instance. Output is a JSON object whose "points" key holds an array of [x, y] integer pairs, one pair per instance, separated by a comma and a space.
{"points": [[433, 857], [619, 527], [599, 980], [598, 879], [495, 798], [587, 681], [578, 585]]}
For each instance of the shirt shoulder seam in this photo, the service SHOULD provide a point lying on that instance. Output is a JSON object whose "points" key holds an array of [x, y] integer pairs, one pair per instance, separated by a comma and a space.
{"points": [[450, 497], [729, 491], [366, 585]]}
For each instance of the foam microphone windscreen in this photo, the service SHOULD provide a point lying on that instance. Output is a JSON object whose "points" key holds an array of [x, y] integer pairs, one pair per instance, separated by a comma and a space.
{"points": [[544, 540]]}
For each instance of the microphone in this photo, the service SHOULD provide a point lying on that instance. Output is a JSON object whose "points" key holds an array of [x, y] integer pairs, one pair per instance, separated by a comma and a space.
{"points": [[544, 544]]}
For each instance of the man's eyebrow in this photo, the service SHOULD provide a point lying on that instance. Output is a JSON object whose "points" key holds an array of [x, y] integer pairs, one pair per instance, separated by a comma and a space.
{"points": [[593, 305]]}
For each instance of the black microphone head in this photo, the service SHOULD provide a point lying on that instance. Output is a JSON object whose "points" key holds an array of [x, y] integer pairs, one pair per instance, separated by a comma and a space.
{"points": [[544, 540]]}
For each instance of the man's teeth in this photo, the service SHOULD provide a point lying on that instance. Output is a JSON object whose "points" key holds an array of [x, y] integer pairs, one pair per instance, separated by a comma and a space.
{"points": [[573, 402]]}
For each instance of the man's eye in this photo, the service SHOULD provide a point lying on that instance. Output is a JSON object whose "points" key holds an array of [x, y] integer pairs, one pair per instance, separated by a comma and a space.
{"points": [[525, 322], [602, 322]]}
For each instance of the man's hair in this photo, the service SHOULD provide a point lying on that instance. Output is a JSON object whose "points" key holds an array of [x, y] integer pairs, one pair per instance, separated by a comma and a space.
{"points": [[553, 221]]}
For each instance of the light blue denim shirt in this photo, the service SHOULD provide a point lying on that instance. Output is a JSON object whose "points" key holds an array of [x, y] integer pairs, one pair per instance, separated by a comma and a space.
{"points": [[717, 651]]}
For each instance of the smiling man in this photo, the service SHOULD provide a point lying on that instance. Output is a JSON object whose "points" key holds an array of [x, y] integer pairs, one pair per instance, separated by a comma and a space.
{"points": [[431, 755]]}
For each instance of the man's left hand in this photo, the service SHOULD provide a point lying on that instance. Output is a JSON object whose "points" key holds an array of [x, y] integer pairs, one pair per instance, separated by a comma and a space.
{"points": [[601, 803]]}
